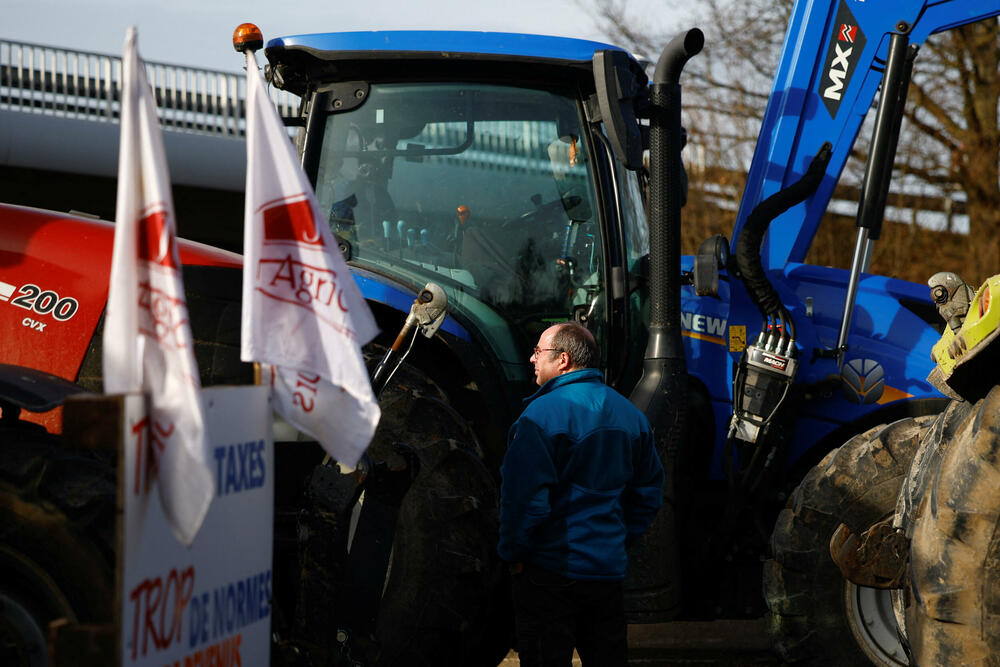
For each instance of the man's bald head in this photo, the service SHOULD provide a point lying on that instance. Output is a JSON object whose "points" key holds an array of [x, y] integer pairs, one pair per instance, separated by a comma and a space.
{"points": [[578, 342]]}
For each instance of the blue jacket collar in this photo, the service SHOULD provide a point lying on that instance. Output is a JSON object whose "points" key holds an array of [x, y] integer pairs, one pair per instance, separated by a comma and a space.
{"points": [[583, 375]]}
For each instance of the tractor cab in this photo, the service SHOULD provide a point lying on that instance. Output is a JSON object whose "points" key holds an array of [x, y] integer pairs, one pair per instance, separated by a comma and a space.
{"points": [[477, 166]]}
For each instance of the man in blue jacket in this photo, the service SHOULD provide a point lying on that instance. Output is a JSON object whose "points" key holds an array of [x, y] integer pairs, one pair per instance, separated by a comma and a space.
{"points": [[581, 481]]}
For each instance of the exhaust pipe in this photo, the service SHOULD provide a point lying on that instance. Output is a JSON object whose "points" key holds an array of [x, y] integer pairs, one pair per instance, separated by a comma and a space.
{"points": [[652, 585]]}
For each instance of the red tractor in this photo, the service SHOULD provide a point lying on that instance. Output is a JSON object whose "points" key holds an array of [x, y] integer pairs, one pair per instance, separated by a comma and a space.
{"points": [[57, 503]]}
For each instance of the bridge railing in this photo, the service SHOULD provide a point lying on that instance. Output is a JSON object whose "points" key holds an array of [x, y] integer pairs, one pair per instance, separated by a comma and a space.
{"points": [[79, 84]]}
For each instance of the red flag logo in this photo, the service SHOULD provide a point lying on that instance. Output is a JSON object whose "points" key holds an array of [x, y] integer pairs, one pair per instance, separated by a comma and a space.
{"points": [[291, 221], [156, 243]]}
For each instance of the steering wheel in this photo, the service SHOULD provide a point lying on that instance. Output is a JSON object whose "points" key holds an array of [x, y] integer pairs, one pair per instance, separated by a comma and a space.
{"points": [[545, 212]]}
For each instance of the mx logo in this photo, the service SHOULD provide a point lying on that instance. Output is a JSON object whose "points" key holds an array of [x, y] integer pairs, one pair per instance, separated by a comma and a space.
{"points": [[841, 59]]}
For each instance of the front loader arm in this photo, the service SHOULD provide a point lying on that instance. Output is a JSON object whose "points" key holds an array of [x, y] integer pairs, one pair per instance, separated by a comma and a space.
{"points": [[830, 68]]}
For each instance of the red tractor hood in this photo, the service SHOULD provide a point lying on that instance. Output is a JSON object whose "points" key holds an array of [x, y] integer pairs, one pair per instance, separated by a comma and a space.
{"points": [[54, 270]]}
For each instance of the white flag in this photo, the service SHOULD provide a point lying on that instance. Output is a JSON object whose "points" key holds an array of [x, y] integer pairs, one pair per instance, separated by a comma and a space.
{"points": [[147, 338], [304, 318]]}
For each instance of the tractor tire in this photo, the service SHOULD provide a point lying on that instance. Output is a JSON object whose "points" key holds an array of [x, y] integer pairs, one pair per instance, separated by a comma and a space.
{"points": [[953, 614], [446, 598], [56, 531], [816, 615]]}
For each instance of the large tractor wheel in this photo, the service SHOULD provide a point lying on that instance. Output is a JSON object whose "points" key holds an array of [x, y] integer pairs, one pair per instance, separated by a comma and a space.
{"points": [[816, 615], [445, 596], [56, 528], [953, 616]]}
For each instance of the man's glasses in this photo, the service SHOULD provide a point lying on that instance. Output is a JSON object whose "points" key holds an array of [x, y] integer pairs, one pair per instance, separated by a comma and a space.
{"points": [[546, 349]]}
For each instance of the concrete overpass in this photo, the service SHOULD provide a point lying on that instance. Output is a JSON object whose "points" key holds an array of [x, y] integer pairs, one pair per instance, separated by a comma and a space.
{"points": [[59, 136]]}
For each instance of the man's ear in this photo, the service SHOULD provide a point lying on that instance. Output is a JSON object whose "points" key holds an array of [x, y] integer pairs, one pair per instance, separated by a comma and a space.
{"points": [[564, 362]]}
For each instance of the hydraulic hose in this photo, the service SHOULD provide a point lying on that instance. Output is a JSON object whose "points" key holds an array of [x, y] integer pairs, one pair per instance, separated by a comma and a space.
{"points": [[751, 238]]}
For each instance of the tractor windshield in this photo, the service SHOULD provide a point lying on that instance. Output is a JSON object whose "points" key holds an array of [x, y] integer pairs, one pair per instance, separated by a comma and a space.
{"points": [[483, 189]]}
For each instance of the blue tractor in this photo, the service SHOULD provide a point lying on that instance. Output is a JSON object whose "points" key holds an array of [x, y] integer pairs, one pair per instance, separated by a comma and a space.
{"points": [[509, 170]]}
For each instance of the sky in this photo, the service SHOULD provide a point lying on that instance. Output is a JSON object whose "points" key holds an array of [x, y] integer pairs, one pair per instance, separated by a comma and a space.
{"points": [[199, 33]]}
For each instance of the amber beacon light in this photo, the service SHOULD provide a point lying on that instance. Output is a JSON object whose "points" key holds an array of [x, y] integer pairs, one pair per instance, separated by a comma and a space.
{"points": [[246, 37]]}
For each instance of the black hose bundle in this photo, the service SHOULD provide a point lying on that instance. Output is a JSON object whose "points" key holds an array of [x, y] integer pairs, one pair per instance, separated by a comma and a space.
{"points": [[751, 238]]}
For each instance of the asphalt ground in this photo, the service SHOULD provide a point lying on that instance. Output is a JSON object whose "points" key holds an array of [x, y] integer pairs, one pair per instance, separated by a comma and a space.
{"points": [[734, 643]]}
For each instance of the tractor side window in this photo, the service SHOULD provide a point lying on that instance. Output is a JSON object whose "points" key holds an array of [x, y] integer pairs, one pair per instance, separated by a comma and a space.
{"points": [[634, 217], [484, 189]]}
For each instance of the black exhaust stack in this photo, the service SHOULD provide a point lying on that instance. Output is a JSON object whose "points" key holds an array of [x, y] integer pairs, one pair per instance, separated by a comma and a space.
{"points": [[652, 585]]}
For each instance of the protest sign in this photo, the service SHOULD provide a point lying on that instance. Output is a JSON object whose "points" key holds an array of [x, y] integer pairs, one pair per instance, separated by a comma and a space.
{"points": [[210, 603]]}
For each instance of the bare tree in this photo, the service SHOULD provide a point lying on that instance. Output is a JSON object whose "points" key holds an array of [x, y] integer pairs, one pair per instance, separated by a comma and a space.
{"points": [[949, 150], [953, 116]]}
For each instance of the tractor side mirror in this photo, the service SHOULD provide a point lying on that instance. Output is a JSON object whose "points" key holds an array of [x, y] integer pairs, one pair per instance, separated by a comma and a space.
{"points": [[712, 256], [619, 80]]}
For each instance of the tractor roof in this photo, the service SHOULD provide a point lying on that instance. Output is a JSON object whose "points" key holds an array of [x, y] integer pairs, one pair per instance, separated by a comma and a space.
{"points": [[299, 59], [446, 44]]}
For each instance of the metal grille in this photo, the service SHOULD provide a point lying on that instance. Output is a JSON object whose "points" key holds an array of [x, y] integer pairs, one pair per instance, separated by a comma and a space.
{"points": [[77, 84]]}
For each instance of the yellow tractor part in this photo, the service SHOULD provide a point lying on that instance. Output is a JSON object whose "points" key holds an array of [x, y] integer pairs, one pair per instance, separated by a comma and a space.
{"points": [[956, 374]]}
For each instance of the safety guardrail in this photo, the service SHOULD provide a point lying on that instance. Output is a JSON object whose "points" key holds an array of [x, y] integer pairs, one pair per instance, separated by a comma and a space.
{"points": [[79, 84]]}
